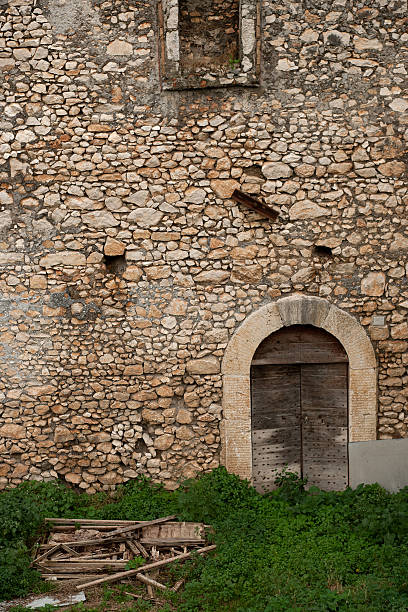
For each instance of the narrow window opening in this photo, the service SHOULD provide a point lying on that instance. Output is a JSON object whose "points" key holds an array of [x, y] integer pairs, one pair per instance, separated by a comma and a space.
{"points": [[209, 35], [322, 251], [115, 264], [209, 43]]}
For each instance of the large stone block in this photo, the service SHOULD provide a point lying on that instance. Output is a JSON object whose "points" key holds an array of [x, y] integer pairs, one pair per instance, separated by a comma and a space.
{"points": [[303, 310]]}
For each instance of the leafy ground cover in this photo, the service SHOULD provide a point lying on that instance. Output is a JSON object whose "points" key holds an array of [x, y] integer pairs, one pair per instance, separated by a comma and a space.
{"points": [[286, 551]]}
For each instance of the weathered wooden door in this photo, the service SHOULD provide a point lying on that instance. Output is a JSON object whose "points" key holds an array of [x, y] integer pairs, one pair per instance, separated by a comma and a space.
{"points": [[299, 408]]}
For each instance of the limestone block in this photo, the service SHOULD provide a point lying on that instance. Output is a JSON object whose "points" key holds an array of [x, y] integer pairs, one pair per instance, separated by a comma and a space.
{"points": [[363, 404], [212, 276], [276, 170], [305, 170], [205, 365], [184, 433], [247, 273], [400, 105], [224, 188], [10, 258], [157, 272], [38, 282], [194, 195], [373, 284], [340, 168], [6, 221], [11, 430], [73, 478], [392, 168], [19, 471], [63, 258], [184, 416], [133, 370], [248, 252], [7, 64], [133, 273], [39, 390], [176, 307], [100, 219], [236, 402], [119, 47], [145, 217], [237, 445], [114, 247], [216, 335], [163, 442], [152, 416], [306, 209], [365, 44], [139, 198], [304, 275], [6, 199], [400, 331], [63, 434], [400, 242]]}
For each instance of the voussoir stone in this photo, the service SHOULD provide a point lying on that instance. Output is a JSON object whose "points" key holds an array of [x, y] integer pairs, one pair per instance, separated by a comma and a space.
{"points": [[205, 365]]}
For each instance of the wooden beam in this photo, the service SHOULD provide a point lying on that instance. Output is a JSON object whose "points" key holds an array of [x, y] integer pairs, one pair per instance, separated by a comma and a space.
{"points": [[145, 568], [254, 204]]}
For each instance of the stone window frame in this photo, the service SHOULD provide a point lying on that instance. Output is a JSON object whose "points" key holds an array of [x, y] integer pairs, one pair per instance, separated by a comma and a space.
{"points": [[236, 424], [247, 75]]}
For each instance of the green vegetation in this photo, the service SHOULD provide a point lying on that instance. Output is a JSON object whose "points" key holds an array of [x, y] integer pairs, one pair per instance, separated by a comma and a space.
{"points": [[289, 550]]}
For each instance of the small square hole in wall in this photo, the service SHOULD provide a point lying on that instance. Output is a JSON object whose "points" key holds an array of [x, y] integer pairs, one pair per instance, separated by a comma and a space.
{"points": [[322, 251], [209, 43], [115, 264]]}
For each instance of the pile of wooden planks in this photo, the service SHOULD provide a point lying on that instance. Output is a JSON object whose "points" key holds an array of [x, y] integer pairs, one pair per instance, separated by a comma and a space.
{"points": [[91, 552]]}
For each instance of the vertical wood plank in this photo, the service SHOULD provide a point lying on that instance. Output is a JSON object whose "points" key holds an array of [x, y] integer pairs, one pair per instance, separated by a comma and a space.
{"points": [[275, 394]]}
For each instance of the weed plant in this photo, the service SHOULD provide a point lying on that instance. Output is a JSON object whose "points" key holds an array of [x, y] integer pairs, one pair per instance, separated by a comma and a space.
{"points": [[286, 551]]}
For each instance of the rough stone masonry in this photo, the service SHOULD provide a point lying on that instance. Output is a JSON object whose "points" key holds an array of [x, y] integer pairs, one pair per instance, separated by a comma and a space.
{"points": [[126, 267]]}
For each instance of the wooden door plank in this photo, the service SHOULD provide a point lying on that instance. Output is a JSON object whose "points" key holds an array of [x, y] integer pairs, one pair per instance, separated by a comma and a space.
{"points": [[275, 393], [325, 425]]}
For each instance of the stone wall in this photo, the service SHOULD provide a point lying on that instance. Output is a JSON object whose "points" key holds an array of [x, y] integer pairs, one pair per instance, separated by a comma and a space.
{"points": [[108, 371]]}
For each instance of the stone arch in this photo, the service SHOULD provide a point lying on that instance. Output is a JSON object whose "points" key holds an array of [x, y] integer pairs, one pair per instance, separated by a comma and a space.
{"points": [[293, 310]]}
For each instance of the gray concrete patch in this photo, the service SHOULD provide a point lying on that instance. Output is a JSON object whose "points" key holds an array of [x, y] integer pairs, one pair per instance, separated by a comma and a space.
{"points": [[382, 461]]}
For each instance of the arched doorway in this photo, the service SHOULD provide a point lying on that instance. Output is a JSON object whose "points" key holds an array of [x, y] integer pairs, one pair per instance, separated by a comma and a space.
{"points": [[236, 426], [299, 408]]}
